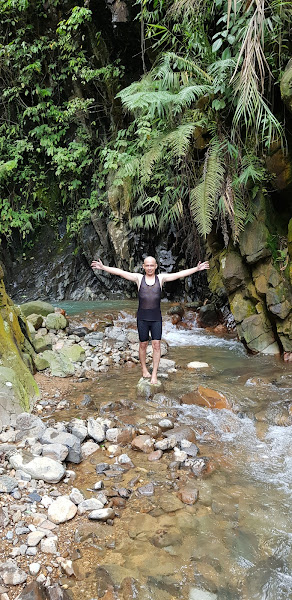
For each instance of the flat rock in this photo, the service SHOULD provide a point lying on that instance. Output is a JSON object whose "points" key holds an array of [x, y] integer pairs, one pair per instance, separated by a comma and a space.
{"points": [[145, 389], [102, 515], [188, 495], [206, 397], [49, 545], [39, 467], [91, 504], [197, 365], [182, 432], [34, 538], [199, 594], [143, 443]]}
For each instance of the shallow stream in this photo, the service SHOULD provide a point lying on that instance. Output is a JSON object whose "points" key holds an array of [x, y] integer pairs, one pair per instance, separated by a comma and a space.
{"points": [[235, 543]]}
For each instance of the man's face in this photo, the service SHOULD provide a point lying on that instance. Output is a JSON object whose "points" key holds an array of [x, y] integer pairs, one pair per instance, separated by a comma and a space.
{"points": [[149, 266]]}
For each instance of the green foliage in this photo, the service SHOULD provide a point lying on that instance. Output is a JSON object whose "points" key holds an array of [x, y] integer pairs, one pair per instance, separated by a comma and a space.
{"points": [[57, 90]]}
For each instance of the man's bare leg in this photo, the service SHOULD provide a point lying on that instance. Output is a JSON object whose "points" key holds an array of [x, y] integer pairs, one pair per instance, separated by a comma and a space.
{"points": [[156, 358], [142, 357]]}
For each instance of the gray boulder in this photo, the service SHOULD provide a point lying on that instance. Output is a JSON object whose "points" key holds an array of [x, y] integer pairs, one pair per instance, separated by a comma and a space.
{"points": [[29, 426], [36, 307], [38, 468], [52, 436]]}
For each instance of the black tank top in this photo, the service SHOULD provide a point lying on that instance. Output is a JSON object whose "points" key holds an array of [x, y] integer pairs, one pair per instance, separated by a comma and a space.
{"points": [[149, 301]]}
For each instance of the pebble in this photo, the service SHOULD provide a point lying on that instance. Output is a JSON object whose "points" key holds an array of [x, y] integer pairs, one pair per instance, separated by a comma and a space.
{"points": [[101, 468], [155, 455], [90, 504], [146, 490], [49, 545], [35, 537], [76, 496], [34, 568]]}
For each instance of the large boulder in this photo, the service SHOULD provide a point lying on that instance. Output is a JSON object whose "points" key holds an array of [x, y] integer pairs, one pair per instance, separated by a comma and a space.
{"points": [[37, 307], [208, 316], [241, 307], [39, 467], [234, 272], [18, 389], [253, 241], [56, 321], [60, 365], [279, 300], [75, 353], [284, 329], [256, 331]]}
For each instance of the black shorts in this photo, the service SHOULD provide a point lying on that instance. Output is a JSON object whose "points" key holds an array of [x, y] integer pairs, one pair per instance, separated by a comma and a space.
{"points": [[144, 327]]}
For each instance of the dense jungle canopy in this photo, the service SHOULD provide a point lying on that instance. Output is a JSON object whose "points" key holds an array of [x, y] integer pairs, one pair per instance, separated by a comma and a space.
{"points": [[167, 109]]}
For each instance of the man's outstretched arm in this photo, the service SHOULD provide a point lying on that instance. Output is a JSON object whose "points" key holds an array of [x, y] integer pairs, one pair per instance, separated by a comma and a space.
{"points": [[180, 274], [97, 264]]}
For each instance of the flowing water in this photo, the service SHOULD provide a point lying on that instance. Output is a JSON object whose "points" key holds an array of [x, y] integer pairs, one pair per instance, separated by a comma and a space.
{"points": [[235, 543]]}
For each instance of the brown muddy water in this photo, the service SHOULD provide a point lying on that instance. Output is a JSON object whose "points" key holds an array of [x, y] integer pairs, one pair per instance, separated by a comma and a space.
{"points": [[235, 542]]}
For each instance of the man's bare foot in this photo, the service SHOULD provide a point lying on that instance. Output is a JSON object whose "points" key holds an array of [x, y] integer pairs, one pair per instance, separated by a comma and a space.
{"points": [[146, 375], [153, 381]]}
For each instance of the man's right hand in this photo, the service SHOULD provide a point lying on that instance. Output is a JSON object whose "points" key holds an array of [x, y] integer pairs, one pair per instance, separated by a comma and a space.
{"points": [[97, 264]]}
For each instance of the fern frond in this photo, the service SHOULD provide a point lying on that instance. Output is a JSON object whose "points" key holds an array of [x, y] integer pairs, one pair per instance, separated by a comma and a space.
{"points": [[204, 196]]}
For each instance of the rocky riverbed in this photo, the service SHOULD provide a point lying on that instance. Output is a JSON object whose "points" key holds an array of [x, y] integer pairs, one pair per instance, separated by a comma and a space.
{"points": [[115, 490]]}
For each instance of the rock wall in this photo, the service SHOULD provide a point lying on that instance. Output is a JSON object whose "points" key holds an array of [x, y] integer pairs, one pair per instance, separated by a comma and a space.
{"points": [[18, 390], [256, 275]]}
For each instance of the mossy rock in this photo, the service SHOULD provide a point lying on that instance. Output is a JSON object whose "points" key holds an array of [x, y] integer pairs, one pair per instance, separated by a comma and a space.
{"points": [[40, 363], [42, 343], [35, 320], [36, 307], [286, 85], [16, 392], [56, 321], [261, 273], [75, 353], [241, 307], [60, 365]]}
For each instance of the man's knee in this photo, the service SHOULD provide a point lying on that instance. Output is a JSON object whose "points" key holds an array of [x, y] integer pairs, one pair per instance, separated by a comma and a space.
{"points": [[156, 344], [143, 345]]}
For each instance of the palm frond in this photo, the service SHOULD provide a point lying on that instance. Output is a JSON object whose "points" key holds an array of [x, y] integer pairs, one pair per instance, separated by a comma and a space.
{"points": [[204, 196]]}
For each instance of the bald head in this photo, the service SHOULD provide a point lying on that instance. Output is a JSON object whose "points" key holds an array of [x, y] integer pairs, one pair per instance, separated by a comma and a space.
{"points": [[149, 265]]}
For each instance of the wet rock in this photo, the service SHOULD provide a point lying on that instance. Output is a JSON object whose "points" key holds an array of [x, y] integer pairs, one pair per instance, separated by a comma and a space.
{"points": [[146, 490], [190, 448], [165, 424], [11, 573], [88, 448], [145, 389], [188, 495], [170, 503], [206, 397], [103, 581], [198, 465], [164, 537], [208, 316], [178, 309], [52, 436], [90, 504], [155, 455], [7, 484], [28, 425], [167, 444], [182, 432], [166, 364], [143, 443], [62, 510], [96, 429], [102, 514], [39, 468], [55, 451], [141, 526], [197, 365]]}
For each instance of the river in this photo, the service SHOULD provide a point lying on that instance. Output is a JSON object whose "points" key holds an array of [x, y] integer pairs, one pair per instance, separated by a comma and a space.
{"points": [[235, 543]]}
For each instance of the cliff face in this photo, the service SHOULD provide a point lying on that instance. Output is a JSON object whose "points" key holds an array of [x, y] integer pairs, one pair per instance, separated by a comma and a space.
{"points": [[18, 390], [257, 278]]}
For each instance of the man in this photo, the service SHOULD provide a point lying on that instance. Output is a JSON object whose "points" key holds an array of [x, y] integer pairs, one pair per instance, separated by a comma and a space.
{"points": [[149, 319]]}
